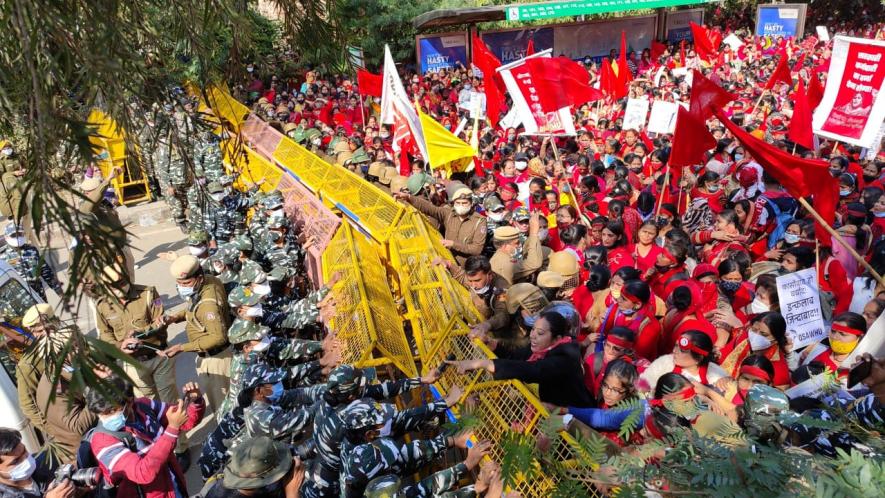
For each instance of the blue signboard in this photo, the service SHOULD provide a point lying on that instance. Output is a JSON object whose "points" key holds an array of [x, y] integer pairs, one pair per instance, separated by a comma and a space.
{"points": [[510, 46], [442, 52], [780, 20]]}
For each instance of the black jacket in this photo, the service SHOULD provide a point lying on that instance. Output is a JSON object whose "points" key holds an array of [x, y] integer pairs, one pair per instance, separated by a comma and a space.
{"points": [[559, 375]]}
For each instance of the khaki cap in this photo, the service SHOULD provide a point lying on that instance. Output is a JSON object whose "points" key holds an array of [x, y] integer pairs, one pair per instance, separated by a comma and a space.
{"points": [[289, 126], [564, 263], [550, 280], [398, 183], [506, 233], [387, 175], [32, 316], [112, 273], [527, 296], [462, 193], [184, 267], [375, 169]]}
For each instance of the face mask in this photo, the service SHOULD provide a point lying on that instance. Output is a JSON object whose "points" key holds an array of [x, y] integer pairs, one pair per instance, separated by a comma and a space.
{"points": [[791, 238], [184, 291], [629, 312], [7, 152], [527, 322], [384, 135], [879, 215], [262, 346], [841, 347], [15, 241], [712, 188], [543, 233], [738, 157], [521, 165], [276, 393], [500, 216], [759, 342], [844, 193], [115, 422], [218, 267], [461, 210], [758, 306], [261, 290], [23, 470], [196, 250], [729, 287], [482, 290], [217, 196], [387, 429], [255, 311]]}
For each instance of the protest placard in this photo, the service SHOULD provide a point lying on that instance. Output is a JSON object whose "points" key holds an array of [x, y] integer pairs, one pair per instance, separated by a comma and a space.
{"points": [[663, 117], [635, 114], [822, 33], [800, 306]]}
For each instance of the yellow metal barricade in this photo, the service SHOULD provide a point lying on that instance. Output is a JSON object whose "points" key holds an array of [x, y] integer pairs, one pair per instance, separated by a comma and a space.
{"points": [[110, 141], [366, 320]]}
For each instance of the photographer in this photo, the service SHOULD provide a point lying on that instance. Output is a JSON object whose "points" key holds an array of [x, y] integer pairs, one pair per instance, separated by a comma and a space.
{"points": [[22, 476], [135, 438]]}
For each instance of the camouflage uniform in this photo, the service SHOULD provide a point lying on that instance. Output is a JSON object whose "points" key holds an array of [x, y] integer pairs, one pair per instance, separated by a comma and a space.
{"points": [[280, 249], [171, 170], [296, 314], [26, 260], [345, 383], [384, 455], [436, 485]]}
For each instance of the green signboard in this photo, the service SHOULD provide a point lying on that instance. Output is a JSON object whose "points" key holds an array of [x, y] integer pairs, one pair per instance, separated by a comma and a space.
{"points": [[533, 11]]}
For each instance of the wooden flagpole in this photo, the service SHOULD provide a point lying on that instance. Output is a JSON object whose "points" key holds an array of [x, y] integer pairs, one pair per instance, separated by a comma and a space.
{"points": [[840, 240], [664, 190]]}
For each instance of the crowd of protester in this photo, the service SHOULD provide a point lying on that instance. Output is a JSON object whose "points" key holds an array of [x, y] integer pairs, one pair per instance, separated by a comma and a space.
{"points": [[599, 279]]}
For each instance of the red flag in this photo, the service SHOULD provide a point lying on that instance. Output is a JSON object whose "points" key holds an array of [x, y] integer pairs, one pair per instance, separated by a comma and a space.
{"points": [[702, 44], [691, 141], [706, 96], [486, 61], [561, 82], [682, 52], [781, 73], [798, 65], [657, 50], [800, 177], [624, 74], [530, 49], [815, 92], [607, 80], [800, 124], [369, 84]]}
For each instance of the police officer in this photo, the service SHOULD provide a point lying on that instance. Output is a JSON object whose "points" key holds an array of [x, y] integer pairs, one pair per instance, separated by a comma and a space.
{"points": [[496, 216], [505, 261], [488, 291], [258, 467], [218, 220], [206, 316], [26, 260], [280, 247], [36, 321], [376, 454], [171, 170], [104, 216]]}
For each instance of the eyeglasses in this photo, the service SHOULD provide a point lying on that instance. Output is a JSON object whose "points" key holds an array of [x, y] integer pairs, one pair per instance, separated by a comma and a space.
{"points": [[606, 387]]}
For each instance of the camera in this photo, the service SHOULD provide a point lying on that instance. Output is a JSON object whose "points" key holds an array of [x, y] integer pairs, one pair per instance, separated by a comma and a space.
{"points": [[82, 478]]}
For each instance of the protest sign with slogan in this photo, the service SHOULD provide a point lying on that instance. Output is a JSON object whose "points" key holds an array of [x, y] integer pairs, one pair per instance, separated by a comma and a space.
{"points": [[663, 117], [524, 92], [635, 114], [800, 305], [853, 106]]}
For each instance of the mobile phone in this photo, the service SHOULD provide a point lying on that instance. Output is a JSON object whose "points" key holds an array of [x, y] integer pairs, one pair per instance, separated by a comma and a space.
{"points": [[860, 372], [443, 366]]}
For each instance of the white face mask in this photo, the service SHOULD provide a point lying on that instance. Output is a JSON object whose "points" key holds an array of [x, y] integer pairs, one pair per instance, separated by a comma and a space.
{"points": [[757, 306], [543, 233], [15, 241], [261, 289], [461, 210], [196, 250], [23, 470], [255, 311], [791, 238], [482, 290], [387, 429], [184, 291], [758, 342], [497, 216], [218, 266], [263, 345], [521, 165], [879, 215], [217, 196]]}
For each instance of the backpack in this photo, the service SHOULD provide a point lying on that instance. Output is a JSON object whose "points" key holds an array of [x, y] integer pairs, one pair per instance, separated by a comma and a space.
{"points": [[86, 459]]}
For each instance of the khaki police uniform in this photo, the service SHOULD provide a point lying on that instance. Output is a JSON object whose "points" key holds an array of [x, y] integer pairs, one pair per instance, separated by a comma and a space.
{"points": [[520, 270]]}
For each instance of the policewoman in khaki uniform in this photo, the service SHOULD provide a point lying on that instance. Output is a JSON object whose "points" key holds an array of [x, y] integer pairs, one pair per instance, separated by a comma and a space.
{"points": [[206, 321]]}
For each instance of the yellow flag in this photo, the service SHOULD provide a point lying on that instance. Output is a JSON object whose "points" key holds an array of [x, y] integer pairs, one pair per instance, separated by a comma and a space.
{"points": [[445, 149]]}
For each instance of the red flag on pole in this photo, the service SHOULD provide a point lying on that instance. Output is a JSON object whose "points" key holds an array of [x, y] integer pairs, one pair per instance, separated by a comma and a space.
{"points": [[702, 44], [800, 177], [800, 124], [815, 92], [624, 74], [530, 48], [657, 50], [706, 96], [691, 141], [369, 84], [485, 60], [781, 73], [561, 82], [607, 80], [798, 65]]}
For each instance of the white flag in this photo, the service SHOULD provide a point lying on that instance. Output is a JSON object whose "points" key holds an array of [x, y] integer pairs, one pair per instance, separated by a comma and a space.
{"points": [[396, 108], [526, 101]]}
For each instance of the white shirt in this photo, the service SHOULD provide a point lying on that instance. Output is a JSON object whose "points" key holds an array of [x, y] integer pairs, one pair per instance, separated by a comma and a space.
{"points": [[665, 364], [862, 294]]}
